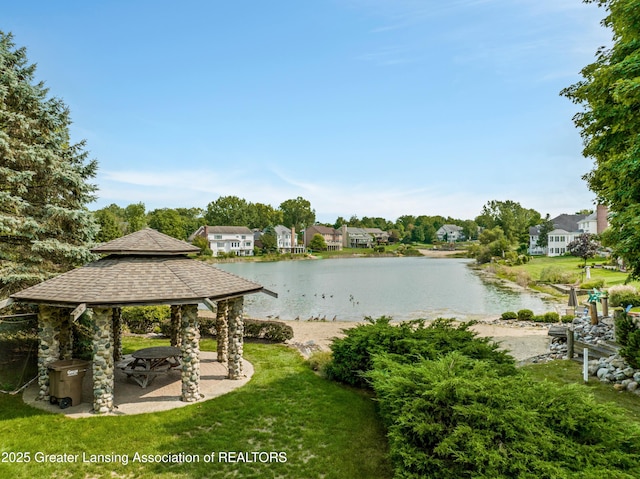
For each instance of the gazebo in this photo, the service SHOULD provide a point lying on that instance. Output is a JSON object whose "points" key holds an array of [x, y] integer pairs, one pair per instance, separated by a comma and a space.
{"points": [[143, 268]]}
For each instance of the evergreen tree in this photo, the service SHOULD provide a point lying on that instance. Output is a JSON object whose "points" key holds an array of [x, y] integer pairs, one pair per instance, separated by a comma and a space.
{"points": [[45, 227]]}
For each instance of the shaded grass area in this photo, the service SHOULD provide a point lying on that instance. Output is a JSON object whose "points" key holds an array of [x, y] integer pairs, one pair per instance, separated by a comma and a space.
{"points": [[324, 430], [570, 372]]}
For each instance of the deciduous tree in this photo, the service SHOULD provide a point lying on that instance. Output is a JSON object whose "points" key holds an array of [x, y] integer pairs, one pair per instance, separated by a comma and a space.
{"points": [[297, 213], [511, 217], [45, 227], [318, 243], [609, 125], [546, 227], [228, 211], [584, 246], [109, 225]]}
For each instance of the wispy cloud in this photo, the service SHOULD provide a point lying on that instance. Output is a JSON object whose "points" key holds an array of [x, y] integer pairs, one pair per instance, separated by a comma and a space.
{"points": [[387, 56]]}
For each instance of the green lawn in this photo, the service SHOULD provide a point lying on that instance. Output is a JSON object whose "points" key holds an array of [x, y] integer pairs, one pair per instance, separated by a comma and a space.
{"points": [[324, 430], [573, 265], [568, 372]]}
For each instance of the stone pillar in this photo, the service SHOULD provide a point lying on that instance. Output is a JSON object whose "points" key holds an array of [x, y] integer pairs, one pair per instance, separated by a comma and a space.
{"points": [[48, 346], [117, 334], [176, 318], [103, 365], [236, 337], [66, 333], [222, 330], [190, 354]]}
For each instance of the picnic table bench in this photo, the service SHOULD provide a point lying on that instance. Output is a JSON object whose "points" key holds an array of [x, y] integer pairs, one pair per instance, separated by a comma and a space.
{"points": [[149, 362]]}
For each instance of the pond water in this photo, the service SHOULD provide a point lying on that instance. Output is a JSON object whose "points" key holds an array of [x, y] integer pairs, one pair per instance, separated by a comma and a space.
{"points": [[352, 288]]}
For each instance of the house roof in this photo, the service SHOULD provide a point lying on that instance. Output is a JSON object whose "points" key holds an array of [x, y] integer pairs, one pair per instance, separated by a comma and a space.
{"points": [[228, 230], [375, 231], [450, 228], [122, 279], [358, 233], [281, 230], [146, 242], [567, 222], [325, 230]]}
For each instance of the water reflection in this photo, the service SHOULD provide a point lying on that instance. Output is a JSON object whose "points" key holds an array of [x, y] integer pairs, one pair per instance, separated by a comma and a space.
{"points": [[352, 288]]}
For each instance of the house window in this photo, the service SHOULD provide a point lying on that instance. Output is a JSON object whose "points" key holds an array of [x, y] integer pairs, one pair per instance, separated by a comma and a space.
{"points": [[220, 244], [217, 237], [243, 236], [235, 244], [247, 243]]}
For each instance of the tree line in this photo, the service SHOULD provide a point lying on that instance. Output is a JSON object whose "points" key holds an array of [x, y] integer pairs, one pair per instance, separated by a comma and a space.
{"points": [[115, 221]]}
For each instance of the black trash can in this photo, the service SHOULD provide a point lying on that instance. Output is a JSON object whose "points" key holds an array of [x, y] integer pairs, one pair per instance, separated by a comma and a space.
{"points": [[65, 381]]}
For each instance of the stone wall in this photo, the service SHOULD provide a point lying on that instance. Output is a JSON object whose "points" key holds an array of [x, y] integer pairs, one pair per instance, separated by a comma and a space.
{"points": [[222, 330], [48, 346], [103, 364], [236, 334], [190, 336], [174, 330], [117, 334]]}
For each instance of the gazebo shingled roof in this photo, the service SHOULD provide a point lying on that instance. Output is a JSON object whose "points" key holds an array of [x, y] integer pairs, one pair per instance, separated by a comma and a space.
{"points": [[130, 280], [147, 242]]}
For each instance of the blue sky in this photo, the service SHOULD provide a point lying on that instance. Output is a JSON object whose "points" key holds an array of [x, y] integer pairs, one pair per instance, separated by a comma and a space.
{"points": [[363, 107]]}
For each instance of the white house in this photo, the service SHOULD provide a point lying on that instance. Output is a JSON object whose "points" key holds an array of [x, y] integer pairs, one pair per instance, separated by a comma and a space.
{"points": [[566, 229], [287, 240], [450, 233], [227, 239], [558, 241], [589, 224]]}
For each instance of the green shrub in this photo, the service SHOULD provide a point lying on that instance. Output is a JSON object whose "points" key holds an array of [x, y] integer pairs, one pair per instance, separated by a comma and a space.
{"points": [[509, 315], [551, 317], [567, 318], [455, 417], [318, 361], [624, 326], [525, 315], [407, 341], [631, 350], [556, 275], [275, 331], [144, 319], [595, 283], [628, 336], [207, 326], [623, 295]]}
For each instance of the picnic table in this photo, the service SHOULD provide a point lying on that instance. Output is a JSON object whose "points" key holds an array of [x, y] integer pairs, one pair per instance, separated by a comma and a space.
{"points": [[149, 362]]}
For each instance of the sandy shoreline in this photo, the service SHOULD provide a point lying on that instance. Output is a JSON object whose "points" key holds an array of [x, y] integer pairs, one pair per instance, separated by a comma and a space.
{"points": [[522, 341]]}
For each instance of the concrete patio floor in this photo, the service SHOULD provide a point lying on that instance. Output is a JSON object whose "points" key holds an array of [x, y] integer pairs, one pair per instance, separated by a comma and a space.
{"points": [[161, 395]]}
